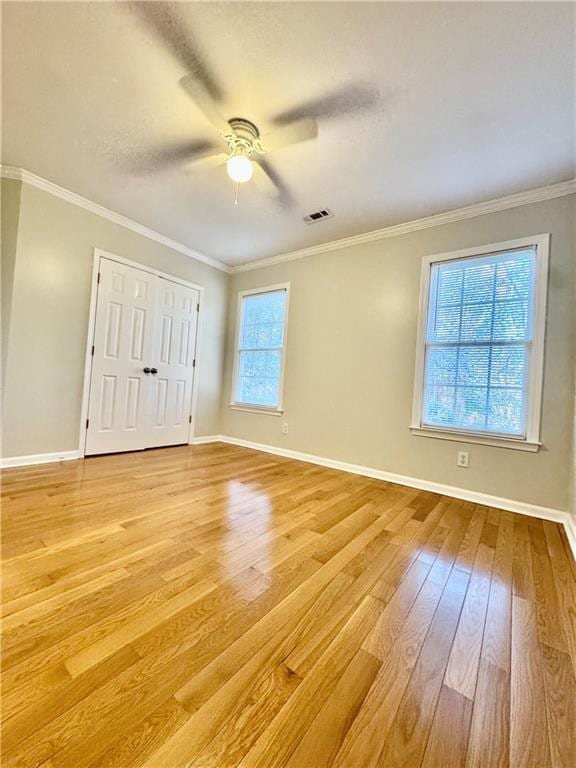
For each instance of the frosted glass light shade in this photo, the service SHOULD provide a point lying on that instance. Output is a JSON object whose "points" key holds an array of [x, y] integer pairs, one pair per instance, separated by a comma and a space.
{"points": [[239, 168]]}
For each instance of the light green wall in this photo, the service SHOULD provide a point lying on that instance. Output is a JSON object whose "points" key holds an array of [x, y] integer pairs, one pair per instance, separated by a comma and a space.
{"points": [[49, 320], [351, 350], [10, 209]]}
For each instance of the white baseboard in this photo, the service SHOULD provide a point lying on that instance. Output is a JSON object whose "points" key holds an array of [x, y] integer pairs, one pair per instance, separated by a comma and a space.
{"points": [[570, 528], [39, 458], [511, 505], [49, 458], [204, 439]]}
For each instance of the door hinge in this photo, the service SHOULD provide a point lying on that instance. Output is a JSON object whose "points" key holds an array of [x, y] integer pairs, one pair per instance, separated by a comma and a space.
{"points": [[87, 423], [197, 307], [189, 419], [92, 350], [98, 280], [193, 363]]}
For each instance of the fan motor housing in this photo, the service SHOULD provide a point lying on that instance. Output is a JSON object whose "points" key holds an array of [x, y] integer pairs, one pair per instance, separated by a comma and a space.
{"points": [[244, 129]]}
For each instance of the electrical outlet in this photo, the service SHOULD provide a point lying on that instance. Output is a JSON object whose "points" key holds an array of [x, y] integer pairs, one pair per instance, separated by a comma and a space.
{"points": [[463, 459], [285, 428]]}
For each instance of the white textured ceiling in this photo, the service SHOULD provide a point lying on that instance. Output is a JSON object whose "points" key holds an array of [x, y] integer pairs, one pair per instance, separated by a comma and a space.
{"points": [[428, 107]]}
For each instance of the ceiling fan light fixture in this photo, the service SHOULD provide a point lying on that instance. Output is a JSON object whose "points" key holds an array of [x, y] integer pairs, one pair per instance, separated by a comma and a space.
{"points": [[239, 168]]}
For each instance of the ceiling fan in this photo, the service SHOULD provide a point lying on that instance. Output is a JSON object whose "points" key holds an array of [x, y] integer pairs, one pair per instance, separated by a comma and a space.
{"points": [[245, 155], [244, 143]]}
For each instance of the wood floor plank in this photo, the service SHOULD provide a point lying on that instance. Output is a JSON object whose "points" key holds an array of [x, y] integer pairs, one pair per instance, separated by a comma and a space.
{"points": [[529, 744], [382, 636], [560, 686], [465, 654], [498, 628], [364, 741], [523, 579], [448, 739], [268, 693], [565, 586], [51, 706], [467, 552], [548, 615], [33, 689], [282, 736], [489, 742], [135, 628], [129, 751], [290, 609], [408, 735], [194, 737], [45, 600], [323, 738], [217, 607]]}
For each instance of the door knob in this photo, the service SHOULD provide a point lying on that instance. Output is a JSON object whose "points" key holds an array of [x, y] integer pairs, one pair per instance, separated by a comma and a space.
{"points": [[153, 370], [147, 370]]}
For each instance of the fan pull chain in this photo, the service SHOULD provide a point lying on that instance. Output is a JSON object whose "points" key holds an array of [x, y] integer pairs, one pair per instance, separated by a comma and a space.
{"points": [[236, 197]]}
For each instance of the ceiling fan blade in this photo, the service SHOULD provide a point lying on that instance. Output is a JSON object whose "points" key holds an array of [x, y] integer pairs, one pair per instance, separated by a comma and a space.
{"points": [[166, 157], [209, 160], [205, 103], [269, 177], [167, 24], [294, 133], [264, 182], [350, 98]]}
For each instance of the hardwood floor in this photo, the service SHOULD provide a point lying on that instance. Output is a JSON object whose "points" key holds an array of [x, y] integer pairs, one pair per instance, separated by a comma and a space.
{"points": [[211, 607]]}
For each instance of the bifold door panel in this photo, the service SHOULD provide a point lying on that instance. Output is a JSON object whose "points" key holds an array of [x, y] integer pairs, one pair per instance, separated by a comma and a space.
{"points": [[174, 343], [142, 368]]}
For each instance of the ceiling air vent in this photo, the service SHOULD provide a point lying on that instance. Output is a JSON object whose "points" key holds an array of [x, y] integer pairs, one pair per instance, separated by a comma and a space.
{"points": [[323, 213]]}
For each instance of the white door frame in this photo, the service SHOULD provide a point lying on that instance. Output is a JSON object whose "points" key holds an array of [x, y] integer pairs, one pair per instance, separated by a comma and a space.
{"points": [[98, 255]]}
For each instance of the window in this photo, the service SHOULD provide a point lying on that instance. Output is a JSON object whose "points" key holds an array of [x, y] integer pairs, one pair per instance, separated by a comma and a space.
{"points": [[480, 346], [259, 363]]}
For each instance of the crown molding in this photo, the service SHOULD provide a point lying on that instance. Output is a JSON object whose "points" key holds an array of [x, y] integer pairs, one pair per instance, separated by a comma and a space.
{"points": [[459, 214], [20, 174]]}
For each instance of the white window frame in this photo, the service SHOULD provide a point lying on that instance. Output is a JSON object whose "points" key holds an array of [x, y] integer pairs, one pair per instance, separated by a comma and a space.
{"points": [[536, 359], [249, 407]]}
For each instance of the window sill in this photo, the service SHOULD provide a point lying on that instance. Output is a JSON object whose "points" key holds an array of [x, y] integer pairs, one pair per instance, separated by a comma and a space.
{"points": [[470, 437], [256, 409]]}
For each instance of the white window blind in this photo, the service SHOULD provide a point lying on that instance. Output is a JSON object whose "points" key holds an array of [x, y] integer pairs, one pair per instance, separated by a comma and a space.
{"points": [[260, 351], [482, 345]]}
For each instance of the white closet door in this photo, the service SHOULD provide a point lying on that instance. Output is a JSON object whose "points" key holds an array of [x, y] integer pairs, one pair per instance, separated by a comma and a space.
{"points": [[173, 356], [119, 412]]}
